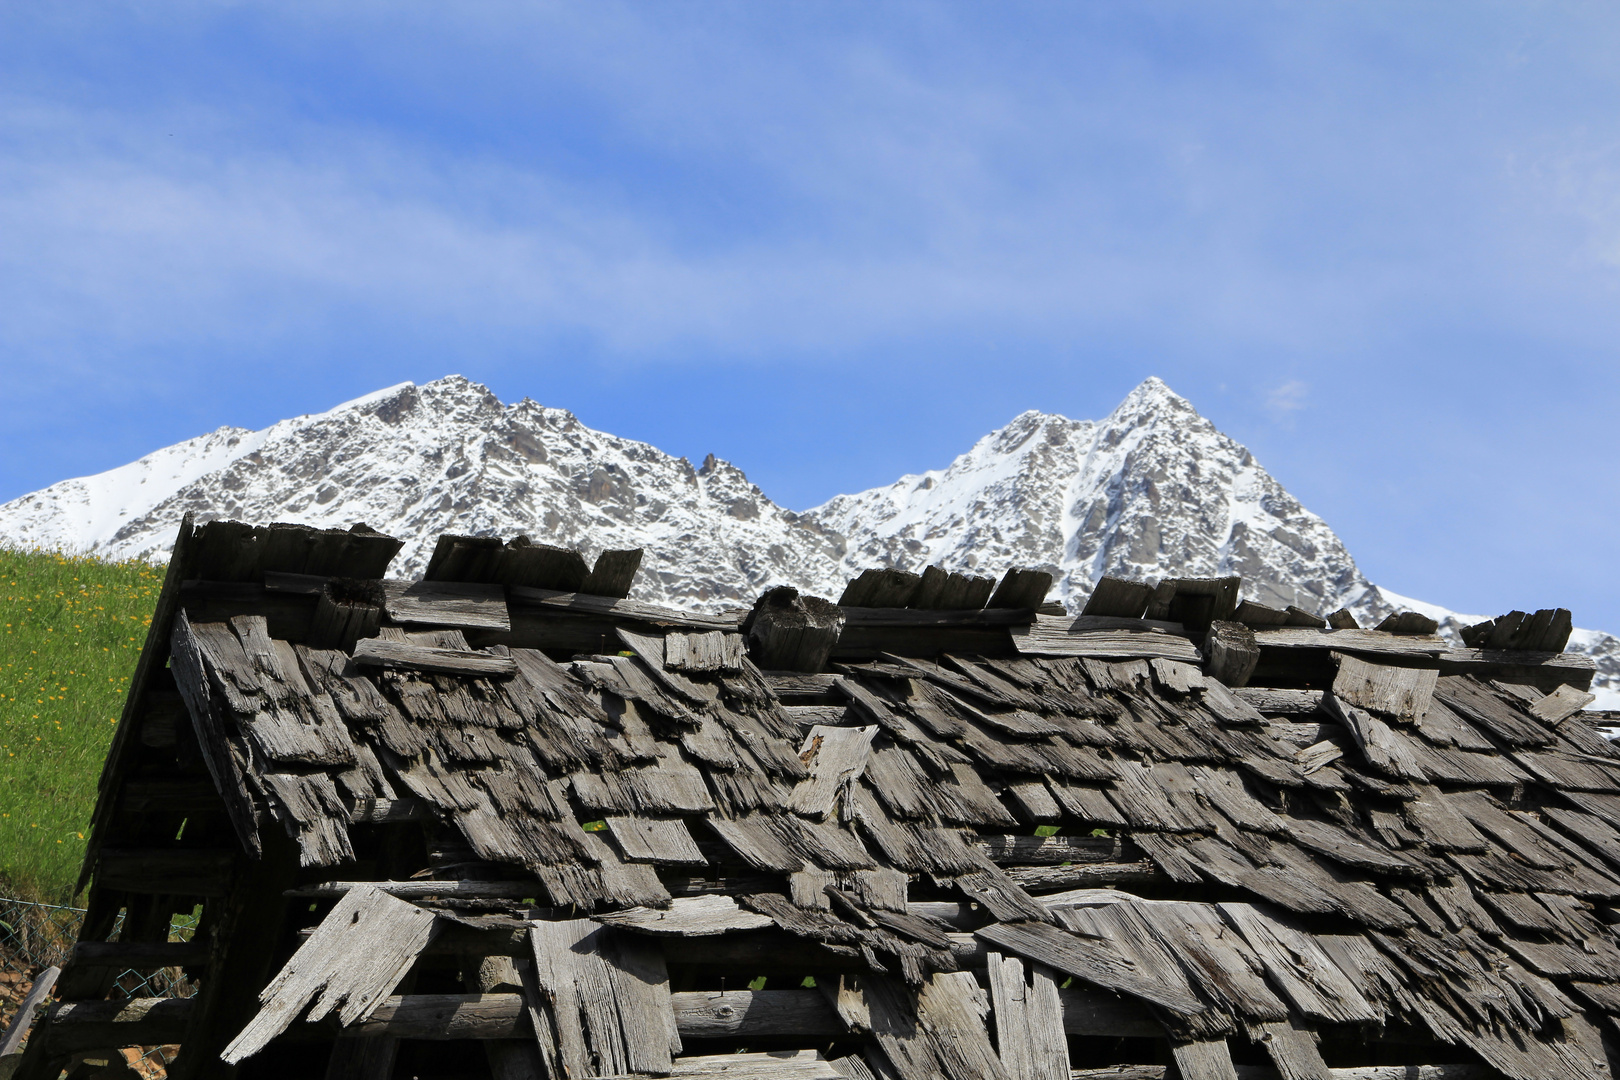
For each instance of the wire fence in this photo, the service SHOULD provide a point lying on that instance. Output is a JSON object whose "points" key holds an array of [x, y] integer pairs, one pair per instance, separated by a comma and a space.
{"points": [[35, 936]]}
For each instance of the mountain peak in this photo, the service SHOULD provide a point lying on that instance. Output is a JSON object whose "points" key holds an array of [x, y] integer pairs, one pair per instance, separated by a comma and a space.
{"points": [[1152, 397], [1152, 491]]}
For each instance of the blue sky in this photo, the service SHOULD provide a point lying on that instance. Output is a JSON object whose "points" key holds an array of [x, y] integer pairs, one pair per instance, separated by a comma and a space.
{"points": [[837, 242]]}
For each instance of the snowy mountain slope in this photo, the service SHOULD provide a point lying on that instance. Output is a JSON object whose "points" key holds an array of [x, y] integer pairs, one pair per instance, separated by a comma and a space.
{"points": [[1152, 490], [415, 462]]}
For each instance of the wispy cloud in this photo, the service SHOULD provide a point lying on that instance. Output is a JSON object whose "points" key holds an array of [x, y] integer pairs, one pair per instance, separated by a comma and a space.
{"points": [[1286, 399]]}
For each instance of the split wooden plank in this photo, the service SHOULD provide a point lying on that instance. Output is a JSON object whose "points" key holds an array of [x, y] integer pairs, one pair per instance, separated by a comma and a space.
{"points": [[378, 652], [1052, 635], [1400, 693], [1298, 968], [689, 916], [1292, 1048], [1119, 598], [940, 1035], [1092, 960], [1226, 969], [607, 1007], [1021, 589], [1203, 1059], [613, 573], [664, 841], [1386, 749], [1561, 704], [709, 651], [1176, 677], [447, 603], [752, 839], [836, 758], [650, 650], [355, 958]]}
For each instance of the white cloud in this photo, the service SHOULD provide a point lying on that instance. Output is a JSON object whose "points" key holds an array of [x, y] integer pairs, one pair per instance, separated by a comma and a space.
{"points": [[1287, 398]]}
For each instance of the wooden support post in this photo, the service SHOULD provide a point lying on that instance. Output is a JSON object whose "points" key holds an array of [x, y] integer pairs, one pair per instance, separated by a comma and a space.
{"points": [[20, 1023], [1230, 653], [509, 1059], [789, 632], [244, 934]]}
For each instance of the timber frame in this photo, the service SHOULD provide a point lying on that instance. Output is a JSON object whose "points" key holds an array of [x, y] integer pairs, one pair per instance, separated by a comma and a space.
{"points": [[506, 822]]}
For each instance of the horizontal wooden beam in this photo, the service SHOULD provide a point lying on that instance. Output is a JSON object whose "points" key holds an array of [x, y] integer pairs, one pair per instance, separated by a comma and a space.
{"points": [[1054, 635], [1049, 850], [566, 603], [140, 955], [96, 1025], [169, 871], [1260, 1072], [906, 618], [707, 1014], [1356, 641], [1545, 670], [1045, 879]]}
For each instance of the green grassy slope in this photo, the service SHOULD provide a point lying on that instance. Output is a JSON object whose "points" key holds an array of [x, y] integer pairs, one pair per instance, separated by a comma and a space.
{"points": [[71, 629]]}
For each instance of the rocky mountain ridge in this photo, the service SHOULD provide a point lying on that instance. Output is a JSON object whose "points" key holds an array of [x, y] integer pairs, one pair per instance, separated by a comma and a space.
{"points": [[1152, 490]]}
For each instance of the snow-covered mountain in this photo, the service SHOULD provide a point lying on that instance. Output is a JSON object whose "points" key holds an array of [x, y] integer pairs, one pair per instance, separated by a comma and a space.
{"points": [[1153, 490]]}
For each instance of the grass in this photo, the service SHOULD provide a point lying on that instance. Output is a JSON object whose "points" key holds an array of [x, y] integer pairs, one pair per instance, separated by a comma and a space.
{"points": [[71, 629]]}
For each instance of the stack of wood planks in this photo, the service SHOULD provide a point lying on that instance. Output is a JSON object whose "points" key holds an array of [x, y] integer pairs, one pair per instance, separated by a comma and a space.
{"points": [[583, 836]]}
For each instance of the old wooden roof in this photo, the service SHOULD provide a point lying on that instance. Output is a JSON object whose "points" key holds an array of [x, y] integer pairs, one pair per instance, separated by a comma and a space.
{"points": [[1369, 835]]}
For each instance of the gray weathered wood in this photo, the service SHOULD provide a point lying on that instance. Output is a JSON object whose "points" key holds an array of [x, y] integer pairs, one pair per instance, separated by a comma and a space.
{"points": [[1357, 641], [1292, 1048], [1561, 704], [554, 601], [23, 1019], [939, 1035], [1042, 879], [1385, 748], [880, 588], [1204, 1059], [773, 1065], [613, 573], [1094, 961], [83, 1025], [1230, 653], [690, 916], [1281, 702], [1399, 693], [1258, 616], [1300, 970], [447, 603], [1051, 635], [1176, 677], [664, 841], [1119, 598], [1029, 1020], [789, 632], [509, 1059], [836, 758], [708, 651], [1548, 670], [378, 652], [1021, 589], [607, 999], [799, 683], [354, 959]]}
